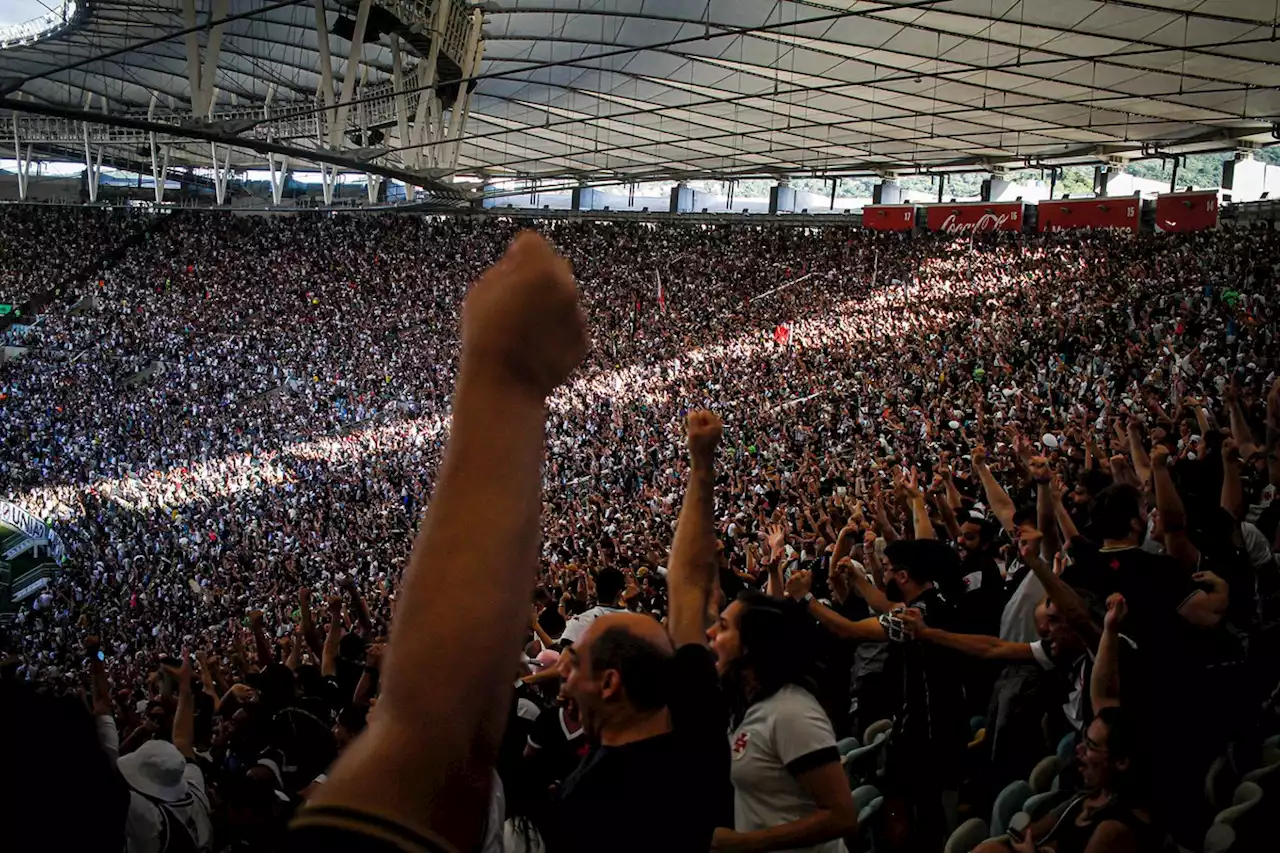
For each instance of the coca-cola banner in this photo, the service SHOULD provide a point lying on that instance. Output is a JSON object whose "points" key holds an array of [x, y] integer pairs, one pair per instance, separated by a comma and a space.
{"points": [[977, 216], [889, 217], [1121, 214], [1186, 211]]}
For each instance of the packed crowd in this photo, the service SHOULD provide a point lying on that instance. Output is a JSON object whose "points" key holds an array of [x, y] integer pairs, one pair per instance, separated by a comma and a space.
{"points": [[1022, 480]]}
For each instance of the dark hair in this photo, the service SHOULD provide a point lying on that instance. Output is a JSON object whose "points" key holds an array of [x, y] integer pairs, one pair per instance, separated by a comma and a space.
{"points": [[777, 639], [643, 665], [924, 560], [1024, 515], [1125, 742], [53, 739], [1113, 509], [609, 583]]}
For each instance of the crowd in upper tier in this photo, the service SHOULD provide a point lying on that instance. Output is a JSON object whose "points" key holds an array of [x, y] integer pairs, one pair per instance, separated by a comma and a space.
{"points": [[1006, 492]]}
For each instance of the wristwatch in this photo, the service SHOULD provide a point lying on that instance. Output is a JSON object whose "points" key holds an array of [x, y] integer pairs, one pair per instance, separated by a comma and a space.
{"points": [[808, 596]]}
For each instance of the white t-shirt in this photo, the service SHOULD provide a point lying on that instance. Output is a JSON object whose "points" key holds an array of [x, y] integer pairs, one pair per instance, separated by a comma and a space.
{"points": [[779, 738], [1018, 619], [577, 626]]}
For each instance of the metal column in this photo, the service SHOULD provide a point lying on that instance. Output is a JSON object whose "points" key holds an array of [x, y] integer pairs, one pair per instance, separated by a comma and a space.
{"points": [[470, 59], [24, 164]]}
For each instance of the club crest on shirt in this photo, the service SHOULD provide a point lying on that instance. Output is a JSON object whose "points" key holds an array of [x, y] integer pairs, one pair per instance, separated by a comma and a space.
{"points": [[740, 745]]}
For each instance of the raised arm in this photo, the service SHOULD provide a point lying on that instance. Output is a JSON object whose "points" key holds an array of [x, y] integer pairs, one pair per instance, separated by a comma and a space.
{"points": [[309, 631], [358, 605], [1104, 682], [1172, 514], [777, 550], [798, 586], [999, 501], [974, 645], [1046, 521], [184, 719], [1063, 596], [1232, 497], [1239, 426], [1138, 451], [425, 761], [691, 573]]}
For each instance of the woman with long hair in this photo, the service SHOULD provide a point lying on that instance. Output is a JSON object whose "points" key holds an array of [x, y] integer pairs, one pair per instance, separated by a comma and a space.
{"points": [[1109, 813], [790, 792]]}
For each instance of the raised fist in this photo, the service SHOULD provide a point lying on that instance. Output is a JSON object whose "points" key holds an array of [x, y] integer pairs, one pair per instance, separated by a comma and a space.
{"points": [[521, 323], [705, 429], [798, 585], [1039, 467], [1117, 609], [979, 456], [1159, 456]]}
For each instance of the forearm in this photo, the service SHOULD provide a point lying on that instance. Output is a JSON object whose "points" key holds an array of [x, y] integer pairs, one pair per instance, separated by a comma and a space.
{"points": [[873, 596], [1232, 489], [954, 500], [999, 501], [920, 519], [329, 659], [442, 733], [361, 610], [309, 632], [262, 646], [1202, 420], [1104, 682], [1064, 597], [775, 586], [184, 720], [100, 687], [1047, 522], [1138, 453], [1240, 429], [812, 829], [866, 629], [691, 574], [976, 645], [1065, 524]]}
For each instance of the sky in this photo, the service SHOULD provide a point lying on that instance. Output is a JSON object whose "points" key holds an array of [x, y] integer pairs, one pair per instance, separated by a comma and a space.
{"points": [[21, 11]]}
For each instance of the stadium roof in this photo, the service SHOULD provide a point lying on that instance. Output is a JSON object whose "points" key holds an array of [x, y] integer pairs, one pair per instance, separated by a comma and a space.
{"points": [[570, 91]]}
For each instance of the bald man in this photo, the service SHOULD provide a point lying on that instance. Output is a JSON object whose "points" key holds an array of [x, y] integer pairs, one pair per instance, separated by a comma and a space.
{"points": [[657, 734], [649, 699]]}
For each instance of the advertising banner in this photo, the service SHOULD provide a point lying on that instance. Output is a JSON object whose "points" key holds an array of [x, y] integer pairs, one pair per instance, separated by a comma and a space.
{"points": [[975, 216], [1121, 214], [889, 217], [1187, 211], [18, 518]]}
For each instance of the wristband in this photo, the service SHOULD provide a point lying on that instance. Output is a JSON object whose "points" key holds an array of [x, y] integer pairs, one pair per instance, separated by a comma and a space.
{"points": [[808, 596]]}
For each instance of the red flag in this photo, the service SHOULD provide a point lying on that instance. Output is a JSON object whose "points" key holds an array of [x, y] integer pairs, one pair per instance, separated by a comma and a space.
{"points": [[662, 293], [782, 333]]}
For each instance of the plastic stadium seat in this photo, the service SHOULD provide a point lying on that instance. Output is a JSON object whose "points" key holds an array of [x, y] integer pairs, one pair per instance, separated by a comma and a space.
{"points": [[847, 745], [1218, 782], [1271, 750], [864, 794], [1264, 775], [1219, 839], [1044, 774], [1039, 805], [1246, 798], [1067, 747], [1008, 803], [862, 763], [967, 836], [876, 728]]}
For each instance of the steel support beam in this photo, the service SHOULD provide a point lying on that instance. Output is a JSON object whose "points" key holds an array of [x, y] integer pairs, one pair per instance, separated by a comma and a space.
{"points": [[397, 86], [469, 63], [462, 104], [92, 170], [24, 164], [279, 169], [426, 121], [220, 173], [209, 70], [373, 183], [326, 62], [159, 166], [350, 73]]}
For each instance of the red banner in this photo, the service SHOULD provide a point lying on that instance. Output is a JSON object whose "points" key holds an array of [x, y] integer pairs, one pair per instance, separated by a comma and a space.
{"points": [[889, 217], [1121, 214], [978, 216], [1186, 211], [782, 333]]}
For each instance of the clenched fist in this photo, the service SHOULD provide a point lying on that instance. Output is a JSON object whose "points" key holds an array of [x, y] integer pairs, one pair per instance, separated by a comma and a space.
{"points": [[705, 429], [521, 323]]}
